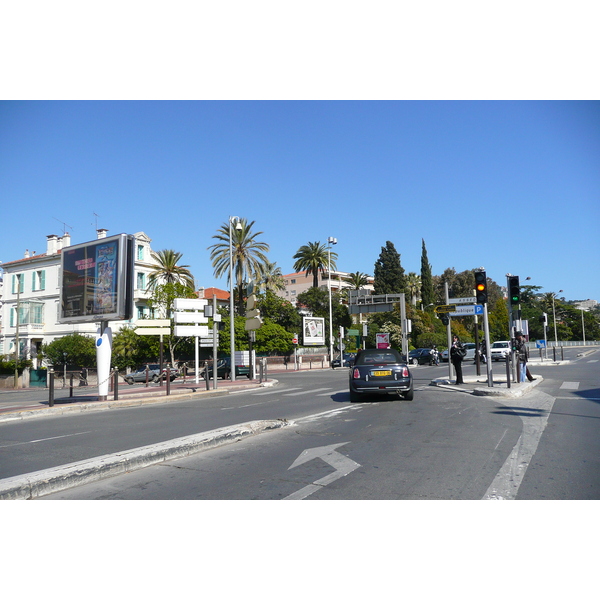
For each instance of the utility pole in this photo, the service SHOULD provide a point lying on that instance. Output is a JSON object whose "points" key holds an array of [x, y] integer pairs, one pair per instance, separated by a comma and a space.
{"points": [[18, 276]]}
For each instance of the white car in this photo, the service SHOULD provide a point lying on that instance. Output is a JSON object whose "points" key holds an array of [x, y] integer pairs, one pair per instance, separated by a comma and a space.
{"points": [[499, 350], [469, 347]]}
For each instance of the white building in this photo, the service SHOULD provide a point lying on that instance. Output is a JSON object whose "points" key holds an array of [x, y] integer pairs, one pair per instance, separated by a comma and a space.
{"points": [[38, 277]]}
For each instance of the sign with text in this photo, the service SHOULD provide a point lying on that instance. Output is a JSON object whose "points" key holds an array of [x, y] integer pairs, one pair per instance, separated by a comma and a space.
{"points": [[97, 281], [465, 311], [314, 331]]}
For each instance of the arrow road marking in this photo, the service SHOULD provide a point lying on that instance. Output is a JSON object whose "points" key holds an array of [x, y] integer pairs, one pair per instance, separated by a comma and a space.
{"points": [[342, 465]]}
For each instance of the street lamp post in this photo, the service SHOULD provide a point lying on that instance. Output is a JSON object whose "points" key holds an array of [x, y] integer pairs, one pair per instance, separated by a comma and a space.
{"points": [[554, 318], [330, 241], [238, 226]]}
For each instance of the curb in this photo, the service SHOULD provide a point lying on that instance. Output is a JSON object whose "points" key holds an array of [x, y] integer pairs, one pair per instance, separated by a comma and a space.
{"points": [[56, 479]]}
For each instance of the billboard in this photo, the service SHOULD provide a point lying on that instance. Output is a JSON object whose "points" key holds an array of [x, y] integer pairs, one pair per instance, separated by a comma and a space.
{"points": [[314, 331], [96, 281]]}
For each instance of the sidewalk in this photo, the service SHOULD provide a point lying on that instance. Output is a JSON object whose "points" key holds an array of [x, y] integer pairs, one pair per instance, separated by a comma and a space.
{"points": [[478, 385]]}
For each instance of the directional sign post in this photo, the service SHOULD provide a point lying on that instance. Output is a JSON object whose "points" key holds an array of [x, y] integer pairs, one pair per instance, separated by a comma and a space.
{"points": [[445, 308], [197, 305], [155, 327]]}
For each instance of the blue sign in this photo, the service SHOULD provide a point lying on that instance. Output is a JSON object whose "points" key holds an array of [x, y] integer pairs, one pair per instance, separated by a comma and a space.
{"points": [[479, 309], [540, 343]]}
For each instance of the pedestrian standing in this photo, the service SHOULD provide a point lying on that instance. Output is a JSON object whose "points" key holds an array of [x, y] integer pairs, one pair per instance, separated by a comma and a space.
{"points": [[522, 350], [457, 353]]}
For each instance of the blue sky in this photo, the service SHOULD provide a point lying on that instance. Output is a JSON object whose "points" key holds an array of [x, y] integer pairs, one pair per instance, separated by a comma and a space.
{"points": [[513, 186]]}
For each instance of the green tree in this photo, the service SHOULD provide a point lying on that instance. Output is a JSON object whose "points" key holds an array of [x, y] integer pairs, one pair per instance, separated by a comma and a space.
{"points": [[357, 280], [312, 258], [249, 258], [130, 350], [271, 280], [427, 294], [280, 311], [73, 350], [168, 271], [413, 286], [389, 274]]}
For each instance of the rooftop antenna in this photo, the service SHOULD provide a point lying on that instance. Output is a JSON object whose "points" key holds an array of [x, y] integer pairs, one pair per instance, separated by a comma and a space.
{"points": [[96, 219], [64, 225]]}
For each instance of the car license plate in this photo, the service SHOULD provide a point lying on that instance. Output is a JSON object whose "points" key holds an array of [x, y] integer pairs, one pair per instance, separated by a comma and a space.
{"points": [[381, 373]]}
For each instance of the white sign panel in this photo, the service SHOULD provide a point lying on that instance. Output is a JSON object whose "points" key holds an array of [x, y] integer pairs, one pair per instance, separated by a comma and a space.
{"points": [[191, 330], [314, 331], [190, 317], [464, 311], [189, 303], [470, 300], [153, 331]]}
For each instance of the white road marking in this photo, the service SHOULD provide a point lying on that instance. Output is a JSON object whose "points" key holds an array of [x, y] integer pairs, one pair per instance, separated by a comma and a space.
{"points": [[58, 437], [332, 393], [570, 385], [279, 391], [307, 392]]}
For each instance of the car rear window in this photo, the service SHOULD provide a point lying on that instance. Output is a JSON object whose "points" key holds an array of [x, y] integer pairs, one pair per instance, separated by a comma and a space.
{"points": [[377, 357]]}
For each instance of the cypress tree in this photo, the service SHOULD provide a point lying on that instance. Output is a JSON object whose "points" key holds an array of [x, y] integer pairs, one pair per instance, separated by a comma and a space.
{"points": [[427, 294], [389, 274]]}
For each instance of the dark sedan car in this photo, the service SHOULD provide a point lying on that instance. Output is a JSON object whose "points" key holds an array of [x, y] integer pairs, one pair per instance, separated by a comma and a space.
{"points": [[380, 372], [224, 369], [421, 356]]}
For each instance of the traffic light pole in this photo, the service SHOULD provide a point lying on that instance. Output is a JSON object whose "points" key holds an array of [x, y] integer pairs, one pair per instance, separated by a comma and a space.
{"points": [[448, 332], [488, 361]]}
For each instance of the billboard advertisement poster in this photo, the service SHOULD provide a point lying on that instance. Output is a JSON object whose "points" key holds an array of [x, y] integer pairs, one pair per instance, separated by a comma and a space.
{"points": [[382, 341], [97, 281], [314, 331]]}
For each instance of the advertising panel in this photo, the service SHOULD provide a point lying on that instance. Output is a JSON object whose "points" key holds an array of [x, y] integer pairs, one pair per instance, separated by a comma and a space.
{"points": [[97, 281], [314, 331]]}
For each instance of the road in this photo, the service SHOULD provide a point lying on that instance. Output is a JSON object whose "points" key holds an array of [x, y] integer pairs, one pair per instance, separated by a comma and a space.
{"points": [[446, 444]]}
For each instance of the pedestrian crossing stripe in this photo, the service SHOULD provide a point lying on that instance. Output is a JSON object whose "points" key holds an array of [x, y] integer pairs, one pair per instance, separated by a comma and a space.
{"points": [[570, 385]]}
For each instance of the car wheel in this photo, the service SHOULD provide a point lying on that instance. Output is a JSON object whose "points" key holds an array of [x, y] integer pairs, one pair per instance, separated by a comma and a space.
{"points": [[414, 361], [354, 397], [129, 380], [409, 395]]}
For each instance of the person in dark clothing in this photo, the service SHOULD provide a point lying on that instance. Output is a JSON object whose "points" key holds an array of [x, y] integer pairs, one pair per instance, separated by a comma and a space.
{"points": [[523, 356], [457, 353]]}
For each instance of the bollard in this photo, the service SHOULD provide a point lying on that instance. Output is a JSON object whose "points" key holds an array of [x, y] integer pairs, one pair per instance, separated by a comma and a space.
{"points": [[507, 371], [207, 376], [51, 387], [562, 353], [116, 384], [554, 352], [71, 385], [168, 380]]}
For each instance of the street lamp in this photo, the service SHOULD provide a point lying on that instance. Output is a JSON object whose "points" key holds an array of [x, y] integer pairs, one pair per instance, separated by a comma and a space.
{"points": [[330, 241], [554, 317], [238, 226]]}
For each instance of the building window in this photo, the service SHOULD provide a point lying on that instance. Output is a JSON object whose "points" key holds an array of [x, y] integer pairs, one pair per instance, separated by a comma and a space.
{"points": [[140, 252], [38, 281], [293, 282], [140, 312], [21, 283], [141, 281]]}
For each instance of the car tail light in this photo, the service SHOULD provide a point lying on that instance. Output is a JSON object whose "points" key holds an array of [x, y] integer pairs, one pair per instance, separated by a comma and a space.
{"points": [[356, 374], [404, 372]]}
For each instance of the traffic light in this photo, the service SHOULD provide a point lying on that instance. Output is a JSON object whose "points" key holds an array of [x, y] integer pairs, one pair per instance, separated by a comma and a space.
{"points": [[544, 319], [253, 318], [514, 291], [445, 318], [481, 287]]}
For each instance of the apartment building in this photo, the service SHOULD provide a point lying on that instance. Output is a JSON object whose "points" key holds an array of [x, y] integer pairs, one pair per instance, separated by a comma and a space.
{"points": [[33, 283]]}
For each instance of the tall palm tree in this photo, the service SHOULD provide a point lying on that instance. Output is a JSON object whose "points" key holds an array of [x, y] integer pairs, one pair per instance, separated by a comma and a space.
{"points": [[413, 285], [168, 271], [357, 280], [272, 279], [249, 258], [312, 258]]}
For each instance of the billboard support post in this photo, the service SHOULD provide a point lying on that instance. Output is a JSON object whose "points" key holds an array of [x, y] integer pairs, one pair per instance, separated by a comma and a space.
{"points": [[103, 356]]}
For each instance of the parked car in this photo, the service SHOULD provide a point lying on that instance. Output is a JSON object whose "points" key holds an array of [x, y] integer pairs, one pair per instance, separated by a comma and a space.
{"points": [[380, 372], [420, 356], [469, 347], [139, 375], [224, 369], [348, 361], [499, 350]]}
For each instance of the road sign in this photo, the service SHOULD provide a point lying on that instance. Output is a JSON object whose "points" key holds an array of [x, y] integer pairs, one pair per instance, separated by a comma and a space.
{"points": [[153, 323], [191, 330], [190, 317], [540, 343], [464, 311], [153, 331], [189, 303], [445, 308], [469, 300]]}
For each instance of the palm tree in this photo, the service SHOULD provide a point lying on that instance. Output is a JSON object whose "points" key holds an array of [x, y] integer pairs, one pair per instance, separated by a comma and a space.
{"points": [[313, 258], [249, 258], [357, 280], [272, 279], [413, 285], [168, 271]]}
